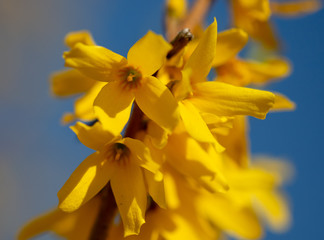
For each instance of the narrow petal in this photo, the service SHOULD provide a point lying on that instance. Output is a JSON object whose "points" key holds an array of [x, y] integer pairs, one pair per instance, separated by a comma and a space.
{"points": [[229, 44], [194, 123], [282, 103], [83, 36], [70, 82], [295, 8], [155, 189], [94, 137], [95, 62], [202, 58], [273, 208], [158, 103], [85, 182], [40, 224], [246, 224], [227, 100], [262, 72], [141, 155], [113, 106], [130, 193], [188, 157], [72, 226], [83, 106], [149, 53]]}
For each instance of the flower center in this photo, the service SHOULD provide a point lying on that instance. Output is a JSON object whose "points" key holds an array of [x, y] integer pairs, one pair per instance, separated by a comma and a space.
{"points": [[120, 153], [130, 77]]}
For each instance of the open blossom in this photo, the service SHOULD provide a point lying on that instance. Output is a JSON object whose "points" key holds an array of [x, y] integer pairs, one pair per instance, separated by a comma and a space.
{"points": [[128, 80], [67, 83], [117, 160]]}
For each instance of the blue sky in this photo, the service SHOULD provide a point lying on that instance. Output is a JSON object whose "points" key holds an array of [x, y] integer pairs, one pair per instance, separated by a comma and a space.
{"points": [[37, 154]]}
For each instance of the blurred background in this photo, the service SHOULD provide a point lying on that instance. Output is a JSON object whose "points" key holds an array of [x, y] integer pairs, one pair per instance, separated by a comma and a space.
{"points": [[38, 154]]}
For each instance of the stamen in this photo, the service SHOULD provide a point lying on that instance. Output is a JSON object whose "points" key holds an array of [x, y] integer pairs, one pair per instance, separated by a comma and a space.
{"points": [[130, 77]]}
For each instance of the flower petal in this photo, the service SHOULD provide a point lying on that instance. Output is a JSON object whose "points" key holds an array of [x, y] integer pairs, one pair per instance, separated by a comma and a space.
{"points": [[85, 182], [229, 44], [94, 137], [262, 72], [155, 189], [202, 58], [246, 224], [73, 38], [194, 123], [158, 103], [75, 225], [282, 103], [140, 154], [296, 8], [95, 62], [83, 106], [70, 82], [274, 209], [113, 106], [149, 53], [130, 193], [227, 100]]}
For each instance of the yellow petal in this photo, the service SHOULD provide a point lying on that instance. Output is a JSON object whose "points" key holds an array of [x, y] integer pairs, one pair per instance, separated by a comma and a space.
{"points": [[295, 8], [236, 142], [229, 44], [73, 38], [282, 103], [94, 137], [113, 106], [255, 21], [158, 135], [158, 103], [140, 154], [259, 9], [202, 58], [69, 82], [176, 8], [262, 72], [149, 53], [95, 62], [188, 157], [83, 106], [155, 189], [227, 100], [238, 222], [130, 193], [85, 182], [194, 123], [72, 226], [40, 224], [273, 208]]}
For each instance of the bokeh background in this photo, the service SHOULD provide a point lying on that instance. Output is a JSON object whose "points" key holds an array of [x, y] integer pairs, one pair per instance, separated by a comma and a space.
{"points": [[37, 154]]}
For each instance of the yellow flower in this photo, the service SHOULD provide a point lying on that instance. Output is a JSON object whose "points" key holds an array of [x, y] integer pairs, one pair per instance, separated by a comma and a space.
{"points": [[128, 79], [196, 95], [73, 226], [253, 17], [70, 82], [117, 160]]}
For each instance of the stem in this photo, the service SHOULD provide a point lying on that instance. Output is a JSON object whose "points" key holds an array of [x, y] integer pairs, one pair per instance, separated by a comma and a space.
{"points": [[108, 205], [105, 216], [196, 16], [197, 13]]}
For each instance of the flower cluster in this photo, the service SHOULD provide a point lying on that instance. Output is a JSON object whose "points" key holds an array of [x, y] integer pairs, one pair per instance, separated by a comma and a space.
{"points": [[171, 157]]}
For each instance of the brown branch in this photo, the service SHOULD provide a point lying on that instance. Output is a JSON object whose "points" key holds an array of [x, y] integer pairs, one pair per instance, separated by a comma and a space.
{"points": [[105, 216], [197, 13], [196, 16]]}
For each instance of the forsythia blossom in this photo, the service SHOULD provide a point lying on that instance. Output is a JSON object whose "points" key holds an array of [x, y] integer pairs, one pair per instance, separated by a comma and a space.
{"points": [[171, 154]]}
